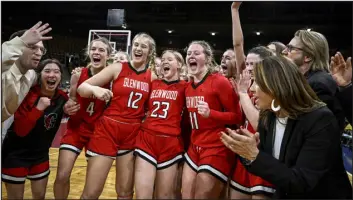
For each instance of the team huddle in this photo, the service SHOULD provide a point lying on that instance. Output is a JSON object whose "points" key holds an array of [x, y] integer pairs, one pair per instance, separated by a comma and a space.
{"points": [[167, 122], [144, 118]]}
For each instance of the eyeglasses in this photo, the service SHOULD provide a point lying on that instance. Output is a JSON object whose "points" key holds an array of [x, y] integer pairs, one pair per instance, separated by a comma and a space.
{"points": [[290, 48], [35, 48]]}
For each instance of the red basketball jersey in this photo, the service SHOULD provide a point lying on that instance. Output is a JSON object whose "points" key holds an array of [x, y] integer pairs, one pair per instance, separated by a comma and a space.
{"points": [[90, 108], [165, 106], [223, 102], [130, 92]]}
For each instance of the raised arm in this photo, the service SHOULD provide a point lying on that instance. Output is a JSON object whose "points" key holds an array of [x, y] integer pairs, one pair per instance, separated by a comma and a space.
{"points": [[238, 39], [27, 115], [250, 111], [12, 50]]}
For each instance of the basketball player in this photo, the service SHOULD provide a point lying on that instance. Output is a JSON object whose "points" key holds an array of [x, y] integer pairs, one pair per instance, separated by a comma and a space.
{"points": [[115, 132], [212, 104], [81, 125], [159, 146], [243, 184], [25, 150], [228, 64]]}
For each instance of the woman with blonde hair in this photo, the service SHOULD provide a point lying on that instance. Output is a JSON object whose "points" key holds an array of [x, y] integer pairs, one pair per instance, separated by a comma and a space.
{"points": [[116, 130], [212, 105], [297, 147], [159, 146]]}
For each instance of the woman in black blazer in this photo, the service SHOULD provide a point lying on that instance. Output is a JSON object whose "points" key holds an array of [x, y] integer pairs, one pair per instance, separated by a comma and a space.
{"points": [[298, 146]]}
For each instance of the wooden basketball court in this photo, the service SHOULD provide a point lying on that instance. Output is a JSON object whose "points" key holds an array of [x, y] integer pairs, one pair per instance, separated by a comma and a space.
{"points": [[78, 177]]}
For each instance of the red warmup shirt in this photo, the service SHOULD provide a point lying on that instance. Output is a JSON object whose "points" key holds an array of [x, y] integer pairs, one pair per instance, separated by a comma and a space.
{"points": [[29, 138], [223, 102]]}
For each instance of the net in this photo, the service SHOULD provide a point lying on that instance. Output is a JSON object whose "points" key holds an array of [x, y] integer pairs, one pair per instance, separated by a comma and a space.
{"points": [[119, 39]]}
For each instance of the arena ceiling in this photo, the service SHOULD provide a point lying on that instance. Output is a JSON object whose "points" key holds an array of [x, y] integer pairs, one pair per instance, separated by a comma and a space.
{"points": [[191, 20]]}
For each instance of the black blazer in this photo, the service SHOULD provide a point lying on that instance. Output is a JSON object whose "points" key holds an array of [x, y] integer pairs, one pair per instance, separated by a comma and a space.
{"points": [[326, 89], [310, 164], [345, 98]]}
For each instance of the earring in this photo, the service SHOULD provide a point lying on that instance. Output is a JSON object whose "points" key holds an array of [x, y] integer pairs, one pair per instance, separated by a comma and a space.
{"points": [[275, 109]]}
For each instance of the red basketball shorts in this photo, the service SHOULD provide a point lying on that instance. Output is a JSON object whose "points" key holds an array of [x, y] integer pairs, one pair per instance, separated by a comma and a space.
{"points": [[247, 183], [160, 150], [18, 175], [112, 138], [217, 161], [75, 139]]}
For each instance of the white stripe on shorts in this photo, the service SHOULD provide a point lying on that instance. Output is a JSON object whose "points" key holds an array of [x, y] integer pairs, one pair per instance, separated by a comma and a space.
{"points": [[121, 152], [90, 153], [12, 178], [146, 155], [188, 160], [205, 167], [38, 175], [253, 189], [166, 163], [214, 171], [68, 146]]}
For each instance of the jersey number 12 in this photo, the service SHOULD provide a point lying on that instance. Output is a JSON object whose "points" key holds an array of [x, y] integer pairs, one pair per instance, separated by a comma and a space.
{"points": [[133, 103]]}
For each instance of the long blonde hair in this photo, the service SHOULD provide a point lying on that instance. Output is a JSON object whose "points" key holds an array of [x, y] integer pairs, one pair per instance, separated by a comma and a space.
{"points": [[315, 46], [152, 49]]}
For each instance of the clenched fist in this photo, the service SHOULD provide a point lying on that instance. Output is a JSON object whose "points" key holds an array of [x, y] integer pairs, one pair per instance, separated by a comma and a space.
{"points": [[203, 109], [102, 93], [43, 103]]}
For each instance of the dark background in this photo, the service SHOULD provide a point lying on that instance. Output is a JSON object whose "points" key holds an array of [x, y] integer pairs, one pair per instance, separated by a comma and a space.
{"points": [[71, 22]]}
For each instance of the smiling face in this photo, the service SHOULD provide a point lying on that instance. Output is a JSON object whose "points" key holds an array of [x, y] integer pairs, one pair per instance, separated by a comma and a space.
{"points": [[140, 50], [50, 77], [98, 54], [170, 66], [227, 57], [196, 59]]}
